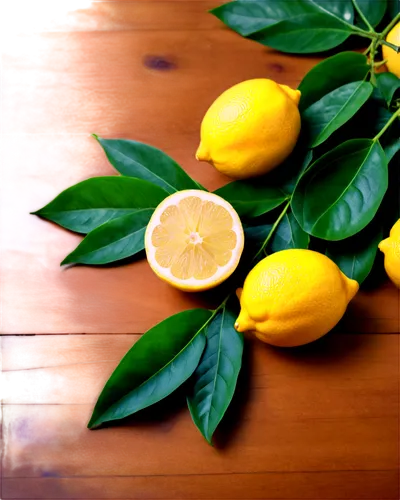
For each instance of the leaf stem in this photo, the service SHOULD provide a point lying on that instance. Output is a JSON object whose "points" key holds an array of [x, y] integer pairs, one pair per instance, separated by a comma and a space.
{"points": [[380, 63], [366, 51], [361, 14], [396, 48], [265, 243], [392, 23], [389, 122], [373, 35], [270, 234]]}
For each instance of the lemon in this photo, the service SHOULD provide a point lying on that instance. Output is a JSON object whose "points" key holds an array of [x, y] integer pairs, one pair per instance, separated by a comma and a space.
{"points": [[393, 58], [293, 297], [250, 128], [194, 240], [391, 248]]}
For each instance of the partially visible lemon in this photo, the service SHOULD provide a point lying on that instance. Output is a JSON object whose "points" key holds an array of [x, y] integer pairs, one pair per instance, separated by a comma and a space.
{"points": [[194, 240], [293, 297], [393, 58], [391, 248], [250, 128]]}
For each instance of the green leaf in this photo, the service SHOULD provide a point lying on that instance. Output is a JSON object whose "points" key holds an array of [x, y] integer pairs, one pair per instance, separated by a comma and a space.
{"points": [[214, 380], [393, 8], [93, 202], [309, 33], [249, 16], [255, 235], [136, 159], [334, 109], [343, 9], [390, 140], [356, 255], [252, 198], [367, 123], [301, 162], [157, 364], [388, 83], [373, 10], [330, 74], [114, 240], [289, 235], [342, 191], [376, 117]]}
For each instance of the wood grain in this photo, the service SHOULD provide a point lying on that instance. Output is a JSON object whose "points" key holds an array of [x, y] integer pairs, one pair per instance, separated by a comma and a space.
{"points": [[128, 82], [145, 16], [376, 485], [337, 399], [319, 422]]}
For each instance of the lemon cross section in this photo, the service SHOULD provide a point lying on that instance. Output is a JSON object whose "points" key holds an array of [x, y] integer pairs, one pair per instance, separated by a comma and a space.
{"points": [[194, 240]]}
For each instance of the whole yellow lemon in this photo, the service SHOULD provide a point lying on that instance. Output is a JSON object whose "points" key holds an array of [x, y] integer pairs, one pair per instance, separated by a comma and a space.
{"points": [[393, 58], [391, 248], [293, 297], [250, 128]]}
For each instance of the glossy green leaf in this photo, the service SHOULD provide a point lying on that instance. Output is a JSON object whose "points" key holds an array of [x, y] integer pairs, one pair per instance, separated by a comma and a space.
{"points": [[393, 8], [343, 9], [334, 109], [342, 191], [367, 123], [331, 74], [249, 16], [309, 33], [114, 240], [390, 140], [301, 162], [136, 159], [214, 380], [373, 10], [378, 115], [157, 364], [388, 84], [289, 234], [93, 202], [255, 235], [356, 255], [252, 198]]}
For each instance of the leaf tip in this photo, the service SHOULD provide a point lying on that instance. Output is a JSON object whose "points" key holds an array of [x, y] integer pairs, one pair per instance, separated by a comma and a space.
{"points": [[68, 260], [209, 440], [92, 425], [95, 136]]}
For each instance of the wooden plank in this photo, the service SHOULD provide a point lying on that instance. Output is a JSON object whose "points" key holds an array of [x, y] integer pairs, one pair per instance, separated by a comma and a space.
{"points": [[327, 486], [154, 15], [130, 83], [322, 418], [93, 300], [341, 376]]}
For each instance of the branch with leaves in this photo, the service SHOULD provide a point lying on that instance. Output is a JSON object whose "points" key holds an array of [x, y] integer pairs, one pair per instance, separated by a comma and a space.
{"points": [[337, 192]]}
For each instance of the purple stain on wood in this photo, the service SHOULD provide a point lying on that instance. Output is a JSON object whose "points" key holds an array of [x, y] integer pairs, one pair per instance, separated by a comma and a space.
{"points": [[276, 67], [49, 473], [22, 430], [159, 63]]}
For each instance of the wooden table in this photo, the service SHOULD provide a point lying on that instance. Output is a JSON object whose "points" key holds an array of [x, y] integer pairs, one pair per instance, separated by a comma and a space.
{"points": [[320, 422]]}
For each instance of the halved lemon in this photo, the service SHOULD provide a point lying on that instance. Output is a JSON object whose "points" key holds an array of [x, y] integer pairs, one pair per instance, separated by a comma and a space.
{"points": [[194, 240]]}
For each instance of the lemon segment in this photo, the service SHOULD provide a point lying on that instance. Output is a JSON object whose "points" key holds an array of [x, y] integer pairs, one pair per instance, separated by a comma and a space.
{"points": [[194, 240]]}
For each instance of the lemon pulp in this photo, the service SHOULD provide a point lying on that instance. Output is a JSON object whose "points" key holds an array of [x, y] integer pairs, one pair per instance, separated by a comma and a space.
{"points": [[194, 240]]}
